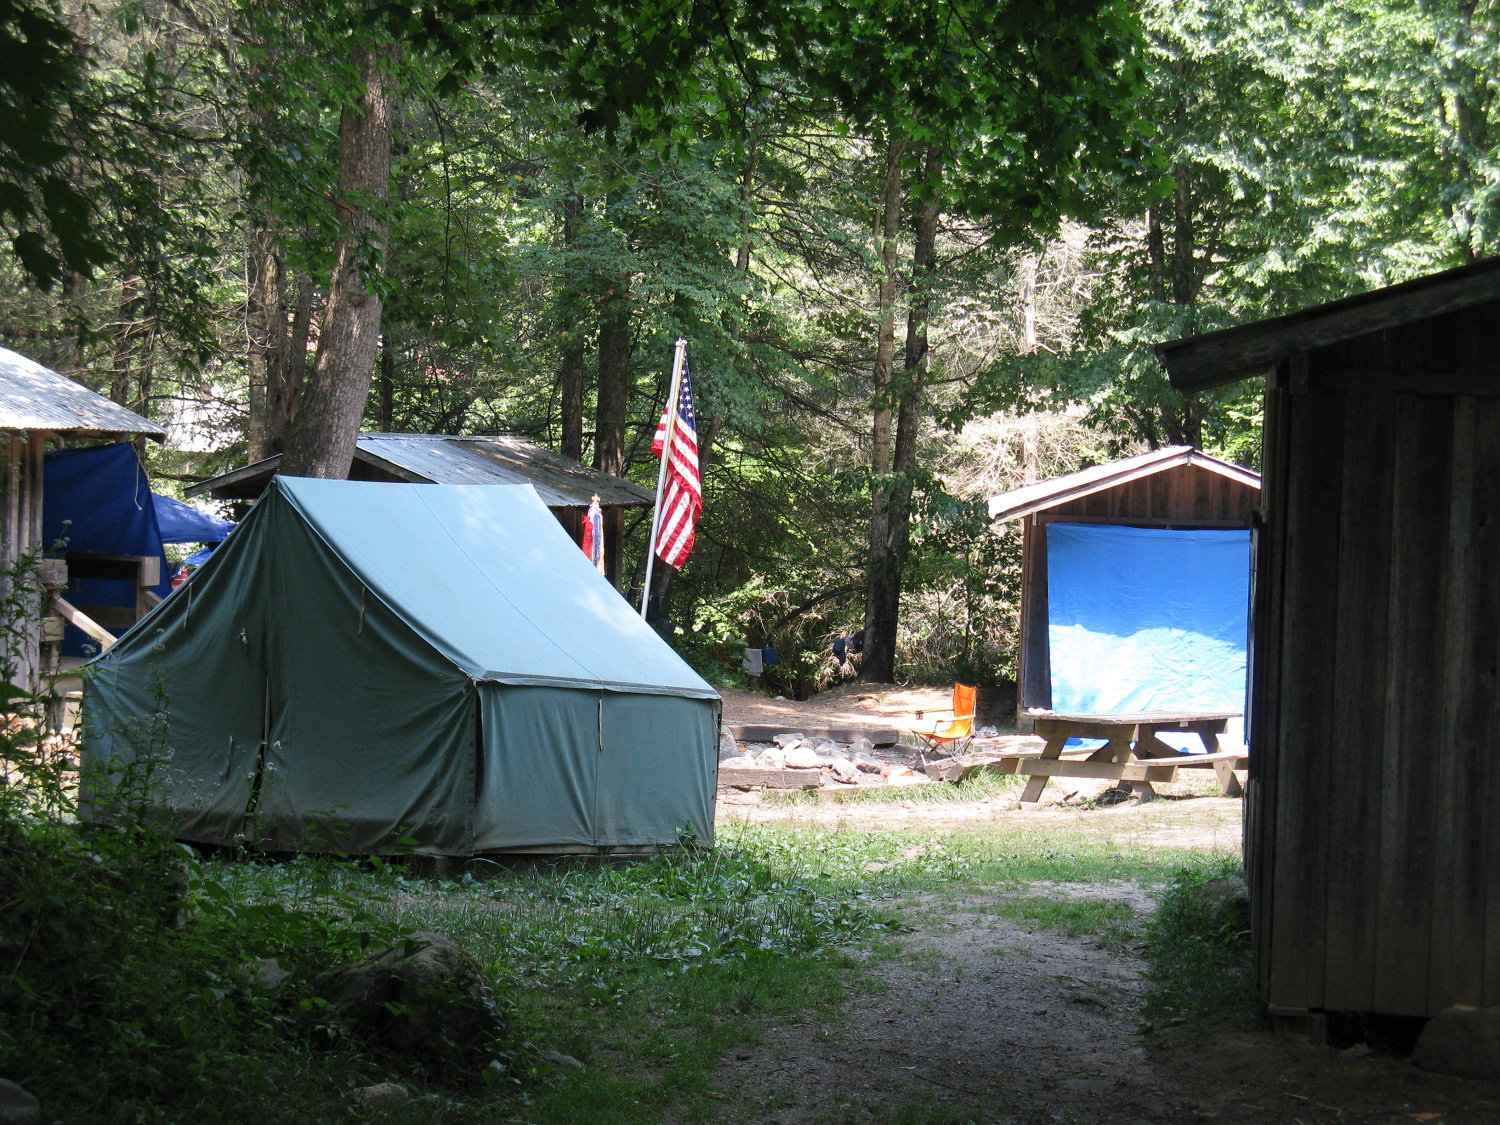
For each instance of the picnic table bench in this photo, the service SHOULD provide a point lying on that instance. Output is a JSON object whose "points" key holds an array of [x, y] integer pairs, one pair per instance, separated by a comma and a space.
{"points": [[1132, 754]]}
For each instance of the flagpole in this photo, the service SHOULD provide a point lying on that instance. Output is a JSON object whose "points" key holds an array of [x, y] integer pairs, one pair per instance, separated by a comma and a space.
{"points": [[661, 476]]}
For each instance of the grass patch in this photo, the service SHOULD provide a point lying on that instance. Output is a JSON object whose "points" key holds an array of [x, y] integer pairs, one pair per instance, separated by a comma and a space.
{"points": [[1199, 954], [1072, 917], [980, 787]]}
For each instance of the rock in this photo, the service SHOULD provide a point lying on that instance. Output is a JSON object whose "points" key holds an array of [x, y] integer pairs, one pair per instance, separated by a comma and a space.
{"points": [[825, 748], [867, 765], [1227, 901], [860, 746], [843, 769], [787, 740], [18, 1106], [269, 975], [803, 758], [740, 762], [773, 759], [728, 747], [382, 1095], [425, 1000], [1461, 1040], [903, 776]]}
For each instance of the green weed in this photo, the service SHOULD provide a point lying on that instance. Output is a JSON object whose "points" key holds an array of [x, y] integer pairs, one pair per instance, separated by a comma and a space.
{"points": [[1199, 958], [1115, 922]]}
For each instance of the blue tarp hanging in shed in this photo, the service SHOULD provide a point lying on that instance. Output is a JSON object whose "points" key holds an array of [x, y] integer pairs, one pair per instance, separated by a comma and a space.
{"points": [[1142, 619], [98, 499]]}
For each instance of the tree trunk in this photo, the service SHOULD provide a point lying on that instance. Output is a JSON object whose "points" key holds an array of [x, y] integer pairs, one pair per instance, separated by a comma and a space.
{"points": [[571, 374], [888, 556], [612, 408], [328, 417]]}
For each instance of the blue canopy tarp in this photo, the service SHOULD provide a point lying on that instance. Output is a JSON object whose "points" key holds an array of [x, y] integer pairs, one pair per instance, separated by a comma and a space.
{"points": [[183, 523], [98, 499], [1145, 619]]}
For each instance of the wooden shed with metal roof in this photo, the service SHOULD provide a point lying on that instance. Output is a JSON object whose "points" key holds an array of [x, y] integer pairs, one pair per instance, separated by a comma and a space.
{"points": [[1372, 840], [564, 485], [38, 405], [1174, 488]]}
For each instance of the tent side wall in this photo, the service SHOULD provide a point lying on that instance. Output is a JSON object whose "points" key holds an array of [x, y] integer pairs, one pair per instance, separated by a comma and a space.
{"points": [[196, 765], [1371, 834], [566, 769], [371, 732], [1181, 496]]}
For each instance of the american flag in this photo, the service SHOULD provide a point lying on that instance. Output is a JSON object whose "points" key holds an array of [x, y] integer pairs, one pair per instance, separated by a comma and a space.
{"points": [[682, 493]]}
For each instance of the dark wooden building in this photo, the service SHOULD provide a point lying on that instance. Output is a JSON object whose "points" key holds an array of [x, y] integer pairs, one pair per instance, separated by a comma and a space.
{"points": [[1175, 487], [564, 485], [1372, 831]]}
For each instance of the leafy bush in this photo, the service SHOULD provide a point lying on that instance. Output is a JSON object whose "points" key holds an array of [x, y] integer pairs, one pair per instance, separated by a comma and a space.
{"points": [[1198, 952]]}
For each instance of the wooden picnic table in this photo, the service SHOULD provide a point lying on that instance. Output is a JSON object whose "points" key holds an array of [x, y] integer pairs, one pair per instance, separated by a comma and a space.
{"points": [[1132, 754]]}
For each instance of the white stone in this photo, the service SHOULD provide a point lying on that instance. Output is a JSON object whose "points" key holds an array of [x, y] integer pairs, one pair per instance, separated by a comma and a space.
{"points": [[786, 740], [739, 762], [845, 770], [860, 746], [773, 759], [802, 758]]}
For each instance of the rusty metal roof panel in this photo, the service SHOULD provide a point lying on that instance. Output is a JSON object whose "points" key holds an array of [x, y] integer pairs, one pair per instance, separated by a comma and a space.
{"points": [[427, 459], [560, 481], [33, 397]]}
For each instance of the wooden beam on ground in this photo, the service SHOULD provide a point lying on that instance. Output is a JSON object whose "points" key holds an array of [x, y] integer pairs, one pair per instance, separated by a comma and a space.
{"points": [[761, 732], [771, 779]]}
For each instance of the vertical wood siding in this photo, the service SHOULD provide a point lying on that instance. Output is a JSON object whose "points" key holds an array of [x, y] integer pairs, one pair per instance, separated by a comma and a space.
{"points": [[1372, 835]]}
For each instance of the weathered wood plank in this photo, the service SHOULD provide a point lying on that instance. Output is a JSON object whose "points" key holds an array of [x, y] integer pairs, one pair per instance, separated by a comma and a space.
{"points": [[771, 779], [1458, 805], [1358, 681], [1034, 671], [1267, 587], [1314, 433], [1400, 833], [83, 621], [1484, 689], [765, 732]]}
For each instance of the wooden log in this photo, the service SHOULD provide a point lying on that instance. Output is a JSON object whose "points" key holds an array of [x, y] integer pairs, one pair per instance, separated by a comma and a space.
{"points": [[761, 732], [771, 779]]}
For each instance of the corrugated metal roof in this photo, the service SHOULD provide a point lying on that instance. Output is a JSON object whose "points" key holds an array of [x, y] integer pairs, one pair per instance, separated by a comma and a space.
{"points": [[1048, 493], [33, 397], [439, 459]]}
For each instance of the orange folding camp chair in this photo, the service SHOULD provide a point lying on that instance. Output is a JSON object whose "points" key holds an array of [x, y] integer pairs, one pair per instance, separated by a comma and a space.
{"points": [[949, 731]]}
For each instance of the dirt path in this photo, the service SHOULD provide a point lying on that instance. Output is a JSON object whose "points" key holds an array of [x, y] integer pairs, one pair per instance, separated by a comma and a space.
{"points": [[976, 1018]]}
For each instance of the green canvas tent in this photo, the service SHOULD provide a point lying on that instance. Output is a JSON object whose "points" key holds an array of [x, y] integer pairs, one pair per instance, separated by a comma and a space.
{"points": [[361, 662]]}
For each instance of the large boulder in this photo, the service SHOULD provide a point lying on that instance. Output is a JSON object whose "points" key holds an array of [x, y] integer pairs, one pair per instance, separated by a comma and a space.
{"points": [[425, 1000], [1461, 1040], [18, 1106]]}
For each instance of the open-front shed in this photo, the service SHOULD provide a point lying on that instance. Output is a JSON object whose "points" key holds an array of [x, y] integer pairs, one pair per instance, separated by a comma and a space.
{"points": [[1123, 564], [39, 406], [1373, 840]]}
